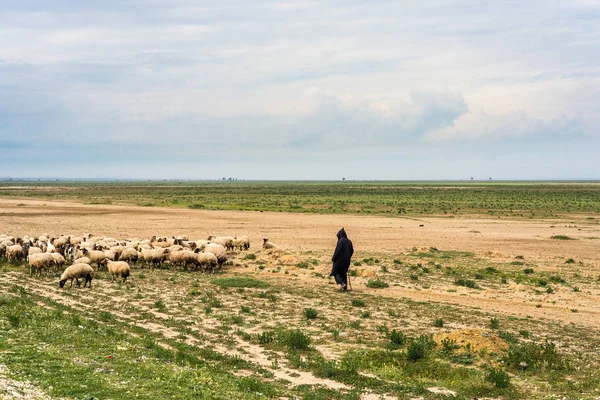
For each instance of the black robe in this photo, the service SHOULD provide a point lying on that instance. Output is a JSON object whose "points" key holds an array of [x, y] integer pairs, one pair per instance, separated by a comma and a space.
{"points": [[342, 254]]}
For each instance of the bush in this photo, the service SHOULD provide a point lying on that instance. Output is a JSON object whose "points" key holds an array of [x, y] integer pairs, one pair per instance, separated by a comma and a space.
{"points": [[250, 256], [310, 313], [418, 347], [532, 356], [561, 237], [266, 337], [376, 284], [466, 283], [528, 271], [498, 377], [294, 339], [494, 323], [438, 323], [302, 265], [397, 338]]}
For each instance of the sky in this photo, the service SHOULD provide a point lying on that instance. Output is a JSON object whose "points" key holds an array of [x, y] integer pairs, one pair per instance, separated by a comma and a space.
{"points": [[378, 89]]}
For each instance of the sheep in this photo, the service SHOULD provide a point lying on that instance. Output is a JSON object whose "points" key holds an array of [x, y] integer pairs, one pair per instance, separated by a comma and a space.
{"points": [[110, 255], [155, 256], [77, 271], [207, 261], [61, 243], [15, 252], [118, 250], [59, 259], [34, 250], [40, 261], [225, 241], [268, 245], [118, 269], [217, 249], [129, 255], [96, 256], [82, 260], [241, 243], [183, 258]]}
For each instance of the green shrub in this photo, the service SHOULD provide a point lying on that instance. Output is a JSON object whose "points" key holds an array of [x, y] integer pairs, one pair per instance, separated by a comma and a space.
{"points": [[466, 283], [302, 265], [250, 256], [570, 261], [294, 339], [532, 356], [310, 313], [418, 347], [438, 323], [376, 284], [528, 271], [561, 237], [266, 337], [498, 377], [365, 314], [494, 323], [397, 338], [449, 345]]}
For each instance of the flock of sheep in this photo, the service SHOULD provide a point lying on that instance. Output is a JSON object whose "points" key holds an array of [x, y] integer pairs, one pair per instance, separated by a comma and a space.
{"points": [[45, 253]]}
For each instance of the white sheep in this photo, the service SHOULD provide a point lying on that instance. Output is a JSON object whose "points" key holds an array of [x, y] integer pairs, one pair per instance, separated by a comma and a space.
{"points": [[96, 256], [77, 271], [130, 255], [118, 269], [225, 241], [39, 262], [155, 256], [268, 245], [15, 252], [241, 243], [217, 249], [59, 259], [207, 261], [82, 260]]}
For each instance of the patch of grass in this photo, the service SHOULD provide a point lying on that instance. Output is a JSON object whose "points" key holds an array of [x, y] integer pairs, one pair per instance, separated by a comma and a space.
{"points": [[498, 377], [570, 261], [397, 338], [533, 356], [528, 271], [466, 283], [310, 313], [250, 256], [561, 237], [302, 265], [438, 323], [419, 347], [294, 339], [160, 306], [377, 284], [494, 323], [242, 281]]}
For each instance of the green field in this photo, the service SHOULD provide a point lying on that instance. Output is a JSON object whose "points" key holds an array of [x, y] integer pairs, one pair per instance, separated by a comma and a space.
{"points": [[503, 199]]}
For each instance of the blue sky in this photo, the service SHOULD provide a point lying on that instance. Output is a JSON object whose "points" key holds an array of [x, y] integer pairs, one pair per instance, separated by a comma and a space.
{"points": [[300, 89]]}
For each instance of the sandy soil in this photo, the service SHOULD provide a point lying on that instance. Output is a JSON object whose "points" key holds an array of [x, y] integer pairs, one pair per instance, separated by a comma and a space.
{"points": [[372, 235]]}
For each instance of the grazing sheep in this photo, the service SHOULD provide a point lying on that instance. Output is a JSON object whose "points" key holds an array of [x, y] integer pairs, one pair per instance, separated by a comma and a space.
{"points": [[77, 271], [182, 257], [129, 255], [110, 255], [207, 261], [34, 250], [155, 256], [39, 262], [82, 260], [118, 269], [15, 252], [225, 241], [241, 243], [218, 250], [95, 256], [268, 245], [59, 259], [61, 243]]}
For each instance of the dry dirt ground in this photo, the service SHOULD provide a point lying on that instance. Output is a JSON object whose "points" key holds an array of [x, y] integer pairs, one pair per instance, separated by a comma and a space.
{"points": [[302, 237], [495, 239]]}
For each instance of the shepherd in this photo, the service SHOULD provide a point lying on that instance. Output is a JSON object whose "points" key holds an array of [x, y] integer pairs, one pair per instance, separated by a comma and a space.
{"points": [[341, 260]]}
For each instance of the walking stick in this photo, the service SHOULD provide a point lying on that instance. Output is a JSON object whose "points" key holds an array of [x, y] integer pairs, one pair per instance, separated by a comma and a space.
{"points": [[349, 284]]}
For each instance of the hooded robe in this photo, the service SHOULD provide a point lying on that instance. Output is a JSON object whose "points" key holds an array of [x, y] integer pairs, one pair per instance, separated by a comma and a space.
{"points": [[342, 254]]}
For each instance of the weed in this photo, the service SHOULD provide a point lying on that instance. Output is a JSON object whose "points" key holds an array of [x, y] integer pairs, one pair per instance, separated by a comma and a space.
{"points": [[160, 306], [498, 377], [294, 339], [245, 309], [494, 323], [466, 283], [302, 265], [532, 356], [418, 347], [528, 271], [397, 338], [570, 261], [449, 345], [266, 337], [365, 314], [358, 303], [376, 284], [561, 237], [438, 323], [250, 256], [310, 313]]}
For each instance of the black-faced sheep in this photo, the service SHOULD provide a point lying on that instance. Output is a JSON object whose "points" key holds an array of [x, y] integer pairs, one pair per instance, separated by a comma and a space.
{"points": [[118, 269], [268, 245], [77, 271]]}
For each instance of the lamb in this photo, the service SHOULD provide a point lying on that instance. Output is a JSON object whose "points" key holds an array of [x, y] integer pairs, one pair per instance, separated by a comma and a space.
{"points": [[15, 252], [39, 262], [77, 271], [129, 255], [119, 269], [268, 245], [225, 241]]}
